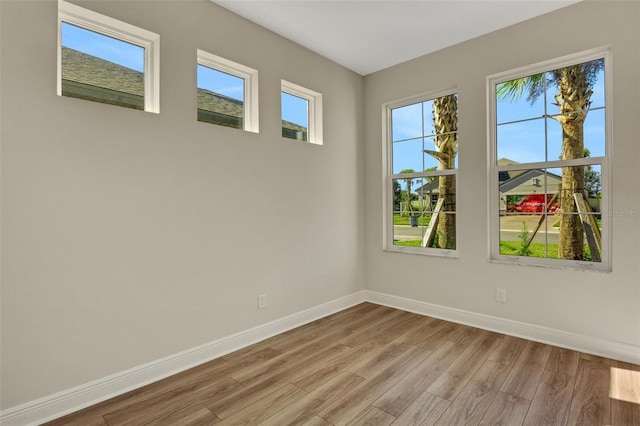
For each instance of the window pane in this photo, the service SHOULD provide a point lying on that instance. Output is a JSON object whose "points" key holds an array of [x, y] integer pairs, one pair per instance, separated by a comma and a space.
{"points": [[522, 142], [515, 106], [528, 191], [295, 117], [407, 122], [220, 98], [407, 155], [416, 204], [100, 68], [554, 140], [593, 186], [587, 73], [598, 97], [594, 133], [531, 235]]}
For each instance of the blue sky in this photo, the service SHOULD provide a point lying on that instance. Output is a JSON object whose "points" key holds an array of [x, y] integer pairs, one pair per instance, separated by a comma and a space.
{"points": [[295, 109], [104, 47], [220, 82]]}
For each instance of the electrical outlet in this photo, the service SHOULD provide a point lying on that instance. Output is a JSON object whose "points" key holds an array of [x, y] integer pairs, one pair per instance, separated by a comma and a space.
{"points": [[501, 295], [262, 301]]}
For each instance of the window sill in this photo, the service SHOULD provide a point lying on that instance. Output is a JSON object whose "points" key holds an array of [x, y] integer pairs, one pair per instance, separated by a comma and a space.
{"points": [[423, 251]]}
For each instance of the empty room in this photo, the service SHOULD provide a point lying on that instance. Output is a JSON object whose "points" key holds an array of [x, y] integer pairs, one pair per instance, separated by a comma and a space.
{"points": [[320, 212]]}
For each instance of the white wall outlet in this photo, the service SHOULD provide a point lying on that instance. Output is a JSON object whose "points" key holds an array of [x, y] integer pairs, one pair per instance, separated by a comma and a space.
{"points": [[501, 295], [262, 301]]}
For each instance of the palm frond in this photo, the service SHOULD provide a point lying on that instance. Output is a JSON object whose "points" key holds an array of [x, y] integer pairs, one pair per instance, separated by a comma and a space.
{"points": [[513, 90]]}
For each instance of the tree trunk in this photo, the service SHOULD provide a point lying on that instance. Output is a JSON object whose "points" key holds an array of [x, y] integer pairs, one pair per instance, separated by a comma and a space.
{"points": [[445, 123], [573, 99]]}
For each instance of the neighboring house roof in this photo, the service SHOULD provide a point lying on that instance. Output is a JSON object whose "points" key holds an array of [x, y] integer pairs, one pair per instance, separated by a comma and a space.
{"points": [[506, 162], [87, 69], [428, 187], [89, 77], [211, 101], [530, 182], [504, 176]]}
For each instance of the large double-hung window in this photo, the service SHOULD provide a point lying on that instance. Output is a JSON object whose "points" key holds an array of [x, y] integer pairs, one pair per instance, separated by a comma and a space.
{"points": [[421, 174], [549, 163]]}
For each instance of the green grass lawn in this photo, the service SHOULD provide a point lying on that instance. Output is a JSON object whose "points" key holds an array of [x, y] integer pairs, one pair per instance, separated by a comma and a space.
{"points": [[405, 220], [411, 243], [509, 248], [512, 248]]}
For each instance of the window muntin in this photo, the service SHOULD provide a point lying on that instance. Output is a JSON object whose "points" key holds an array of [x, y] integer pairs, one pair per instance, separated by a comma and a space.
{"points": [[533, 219], [105, 60], [301, 113], [227, 92], [422, 145]]}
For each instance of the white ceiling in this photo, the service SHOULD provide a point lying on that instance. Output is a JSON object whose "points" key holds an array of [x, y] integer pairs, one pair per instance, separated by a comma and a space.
{"points": [[367, 36]]}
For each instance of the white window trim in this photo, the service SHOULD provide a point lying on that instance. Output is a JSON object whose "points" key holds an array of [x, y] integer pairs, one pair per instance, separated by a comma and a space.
{"points": [[250, 77], [388, 176], [93, 21], [492, 184], [315, 109]]}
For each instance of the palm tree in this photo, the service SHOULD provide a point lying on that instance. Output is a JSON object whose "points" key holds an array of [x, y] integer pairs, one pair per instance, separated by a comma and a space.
{"points": [[408, 208], [573, 99], [445, 124]]}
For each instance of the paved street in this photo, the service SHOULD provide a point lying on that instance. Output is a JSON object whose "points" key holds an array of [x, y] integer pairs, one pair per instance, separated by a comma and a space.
{"points": [[510, 227]]}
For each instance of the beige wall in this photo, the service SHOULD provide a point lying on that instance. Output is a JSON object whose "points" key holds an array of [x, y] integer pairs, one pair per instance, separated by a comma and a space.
{"points": [[127, 236], [592, 304]]}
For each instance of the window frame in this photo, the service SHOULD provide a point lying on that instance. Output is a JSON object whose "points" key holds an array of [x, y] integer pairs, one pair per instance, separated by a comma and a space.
{"points": [[251, 120], [389, 176], [314, 99], [105, 25], [493, 229]]}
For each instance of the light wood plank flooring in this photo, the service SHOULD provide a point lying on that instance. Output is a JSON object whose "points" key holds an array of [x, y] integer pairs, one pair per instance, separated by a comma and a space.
{"points": [[374, 365]]}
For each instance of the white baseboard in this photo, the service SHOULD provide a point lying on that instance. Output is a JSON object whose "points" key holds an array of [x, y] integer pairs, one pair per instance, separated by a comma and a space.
{"points": [[591, 345], [68, 401], [65, 402]]}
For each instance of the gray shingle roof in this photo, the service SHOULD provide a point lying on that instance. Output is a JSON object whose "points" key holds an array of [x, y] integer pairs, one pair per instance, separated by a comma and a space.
{"points": [[211, 101], [81, 71], [87, 69]]}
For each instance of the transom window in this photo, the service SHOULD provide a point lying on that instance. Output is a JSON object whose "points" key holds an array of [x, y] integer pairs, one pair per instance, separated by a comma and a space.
{"points": [[549, 163], [301, 111], [422, 163], [227, 93], [105, 60]]}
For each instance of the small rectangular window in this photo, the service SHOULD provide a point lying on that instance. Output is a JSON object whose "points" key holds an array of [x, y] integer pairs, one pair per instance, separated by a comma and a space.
{"points": [[105, 60], [227, 93], [301, 111]]}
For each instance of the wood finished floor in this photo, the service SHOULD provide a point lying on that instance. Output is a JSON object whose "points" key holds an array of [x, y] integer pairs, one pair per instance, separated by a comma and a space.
{"points": [[374, 365]]}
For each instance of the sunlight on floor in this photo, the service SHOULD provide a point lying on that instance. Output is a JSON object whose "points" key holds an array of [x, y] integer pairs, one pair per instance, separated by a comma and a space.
{"points": [[625, 385]]}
